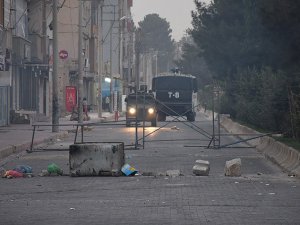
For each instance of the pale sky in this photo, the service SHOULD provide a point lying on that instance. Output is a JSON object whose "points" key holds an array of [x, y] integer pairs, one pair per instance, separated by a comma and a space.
{"points": [[176, 12]]}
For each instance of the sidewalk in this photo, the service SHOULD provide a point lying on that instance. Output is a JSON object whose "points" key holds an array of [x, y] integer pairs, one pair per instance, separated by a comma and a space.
{"points": [[17, 137]]}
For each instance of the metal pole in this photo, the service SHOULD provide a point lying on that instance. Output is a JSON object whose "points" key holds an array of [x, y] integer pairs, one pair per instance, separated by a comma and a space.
{"points": [[213, 117], [130, 50], [219, 126], [100, 59], [80, 64], [44, 32], [138, 49], [156, 65], [136, 122], [110, 68], [55, 103]]}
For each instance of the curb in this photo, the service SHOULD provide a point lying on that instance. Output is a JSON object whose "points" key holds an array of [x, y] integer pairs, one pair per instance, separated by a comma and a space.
{"points": [[282, 155], [15, 149]]}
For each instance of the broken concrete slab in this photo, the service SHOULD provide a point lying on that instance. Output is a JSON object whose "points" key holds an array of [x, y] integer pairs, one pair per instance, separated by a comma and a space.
{"points": [[233, 167], [201, 168], [173, 173]]}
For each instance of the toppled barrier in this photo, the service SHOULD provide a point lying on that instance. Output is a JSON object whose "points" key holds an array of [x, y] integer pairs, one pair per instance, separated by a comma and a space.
{"points": [[96, 159]]}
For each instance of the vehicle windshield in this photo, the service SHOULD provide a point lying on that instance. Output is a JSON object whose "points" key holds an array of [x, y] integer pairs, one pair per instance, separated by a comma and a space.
{"points": [[140, 99]]}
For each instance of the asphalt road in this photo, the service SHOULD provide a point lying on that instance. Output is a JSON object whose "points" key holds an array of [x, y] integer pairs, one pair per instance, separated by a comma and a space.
{"points": [[262, 195]]}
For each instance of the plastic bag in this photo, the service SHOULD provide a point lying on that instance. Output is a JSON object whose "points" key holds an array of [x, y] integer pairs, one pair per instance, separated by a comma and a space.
{"points": [[23, 169], [13, 174], [54, 169]]}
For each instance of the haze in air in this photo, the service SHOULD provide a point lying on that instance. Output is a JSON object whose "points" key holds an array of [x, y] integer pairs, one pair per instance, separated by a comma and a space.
{"points": [[176, 12]]}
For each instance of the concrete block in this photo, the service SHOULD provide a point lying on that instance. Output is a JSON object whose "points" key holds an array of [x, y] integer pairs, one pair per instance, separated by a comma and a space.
{"points": [[233, 167], [201, 168], [96, 159]]}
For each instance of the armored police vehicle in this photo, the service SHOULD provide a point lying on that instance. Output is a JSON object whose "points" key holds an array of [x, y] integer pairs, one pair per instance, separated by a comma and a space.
{"points": [[140, 107], [175, 94]]}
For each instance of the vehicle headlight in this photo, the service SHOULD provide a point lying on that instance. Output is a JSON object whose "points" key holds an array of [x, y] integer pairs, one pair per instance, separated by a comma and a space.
{"points": [[150, 110], [132, 110]]}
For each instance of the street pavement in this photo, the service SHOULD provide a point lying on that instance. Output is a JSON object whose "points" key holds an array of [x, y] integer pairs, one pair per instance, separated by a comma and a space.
{"points": [[17, 137], [262, 195]]}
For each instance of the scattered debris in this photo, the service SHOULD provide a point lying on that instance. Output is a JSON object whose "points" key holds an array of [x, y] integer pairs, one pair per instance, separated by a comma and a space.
{"points": [[149, 174], [174, 128], [87, 128], [18, 172], [12, 174], [233, 167], [128, 170], [2, 171], [54, 169], [23, 169], [201, 168], [173, 173], [44, 173], [259, 173]]}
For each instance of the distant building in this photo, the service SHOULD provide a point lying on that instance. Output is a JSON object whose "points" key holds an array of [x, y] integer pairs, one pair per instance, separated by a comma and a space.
{"points": [[26, 55]]}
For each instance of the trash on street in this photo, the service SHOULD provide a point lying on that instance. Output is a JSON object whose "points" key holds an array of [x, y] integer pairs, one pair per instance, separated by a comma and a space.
{"points": [[128, 170]]}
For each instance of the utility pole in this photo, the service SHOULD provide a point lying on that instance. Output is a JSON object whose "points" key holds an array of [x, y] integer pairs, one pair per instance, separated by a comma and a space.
{"points": [[44, 31], [129, 58], [138, 52], [80, 65], [100, 57], [110, 68], [55, 103]]}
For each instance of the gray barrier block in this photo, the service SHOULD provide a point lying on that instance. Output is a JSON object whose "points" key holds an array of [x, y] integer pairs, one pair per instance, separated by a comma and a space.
{"points": [[96, 159], [201, 168]]}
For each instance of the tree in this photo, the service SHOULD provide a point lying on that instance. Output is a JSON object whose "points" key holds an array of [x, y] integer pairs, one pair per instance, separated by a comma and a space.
{"points": [[191, 63], [155, 36], [253, 46], [228, 35]]}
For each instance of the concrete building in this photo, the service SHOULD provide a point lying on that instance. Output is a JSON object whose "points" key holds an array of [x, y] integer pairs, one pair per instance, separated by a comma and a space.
{"points": [[30, 71], [26, 56], [5, 61], [107, 13]]}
